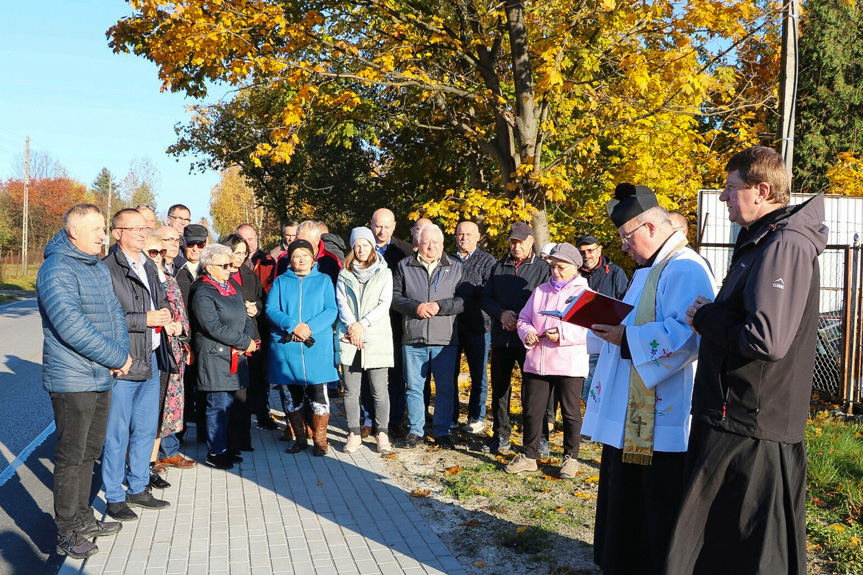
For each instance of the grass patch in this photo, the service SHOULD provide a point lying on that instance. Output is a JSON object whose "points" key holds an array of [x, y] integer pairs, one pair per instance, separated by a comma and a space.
{"points": [[467, 483], [834, 505], [25, 283]]}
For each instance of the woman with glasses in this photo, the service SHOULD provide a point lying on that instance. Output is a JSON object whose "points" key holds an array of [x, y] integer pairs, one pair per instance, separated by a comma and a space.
{"points": [[556, 360], [171, 391], [249, 286], [301, 306], [223, 334]]}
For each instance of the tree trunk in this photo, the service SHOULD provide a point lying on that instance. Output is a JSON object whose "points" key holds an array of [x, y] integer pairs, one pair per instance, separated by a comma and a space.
{"points": [[526, 122]]}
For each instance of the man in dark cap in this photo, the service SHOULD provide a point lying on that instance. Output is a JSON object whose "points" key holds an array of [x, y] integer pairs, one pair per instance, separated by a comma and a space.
{"points": [[194, 410], [603, 276], [507, 290], [639, 408]]}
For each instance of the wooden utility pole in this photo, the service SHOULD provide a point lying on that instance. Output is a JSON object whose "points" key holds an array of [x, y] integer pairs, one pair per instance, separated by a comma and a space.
{"points": [[108, 213], [26, 211], [788, 82]]}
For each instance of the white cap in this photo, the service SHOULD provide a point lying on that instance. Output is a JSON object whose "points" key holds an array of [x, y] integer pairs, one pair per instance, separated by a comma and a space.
{"points": [[546, 249]]}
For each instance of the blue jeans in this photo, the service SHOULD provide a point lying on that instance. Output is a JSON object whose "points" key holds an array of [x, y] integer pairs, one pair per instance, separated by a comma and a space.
{"points": [[585, 391], [475, 348], [133, 419], [169, 446], [218, 410], [419, 360]]}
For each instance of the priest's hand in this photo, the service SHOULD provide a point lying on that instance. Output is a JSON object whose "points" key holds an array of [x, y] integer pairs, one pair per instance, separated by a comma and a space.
{"points": [[613, 334], [691, 311]]}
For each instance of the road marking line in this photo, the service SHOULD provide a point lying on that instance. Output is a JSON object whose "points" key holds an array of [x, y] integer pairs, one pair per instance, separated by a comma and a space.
{"points": [[22, 457]]}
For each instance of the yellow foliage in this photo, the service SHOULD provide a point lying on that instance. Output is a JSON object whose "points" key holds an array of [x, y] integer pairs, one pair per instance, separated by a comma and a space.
{"points": [[846, 175]]}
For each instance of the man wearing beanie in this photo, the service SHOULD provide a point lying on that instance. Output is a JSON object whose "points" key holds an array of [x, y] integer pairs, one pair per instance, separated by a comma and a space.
{"points": [[639, 408], [512, 281]]}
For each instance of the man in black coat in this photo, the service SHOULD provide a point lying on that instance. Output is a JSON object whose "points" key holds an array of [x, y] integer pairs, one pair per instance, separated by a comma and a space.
{"points": [[474, 325], [134, 413], [745, 484], [393, 250], [510, 285]]}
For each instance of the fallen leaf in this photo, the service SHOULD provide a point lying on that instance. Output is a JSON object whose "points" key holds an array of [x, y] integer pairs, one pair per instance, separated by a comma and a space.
{"points": [[420, 492], [455, 469], [818, 503], [471, 523], [545, 490], [521, 529], [320, 484], [479, 564], [839, 528], [582, 495], [559, 509], [594, 479], [550, 478], [390, 455]]}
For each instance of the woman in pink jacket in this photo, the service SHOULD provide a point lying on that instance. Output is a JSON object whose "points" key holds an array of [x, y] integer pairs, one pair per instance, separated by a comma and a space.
{"points": [[556, 361]]}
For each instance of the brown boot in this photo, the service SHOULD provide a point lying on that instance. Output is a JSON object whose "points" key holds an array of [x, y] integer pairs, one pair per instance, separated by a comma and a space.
{"points": [[320, 423], [295, 420]]}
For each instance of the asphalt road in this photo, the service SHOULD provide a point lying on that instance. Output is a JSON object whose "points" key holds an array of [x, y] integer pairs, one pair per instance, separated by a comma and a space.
{"points": [[27, 534]]}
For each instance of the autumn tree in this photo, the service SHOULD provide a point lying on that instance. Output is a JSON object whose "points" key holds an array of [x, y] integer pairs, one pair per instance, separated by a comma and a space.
{"points": [[141, 184], [561, 97], [49, 198], [105, 186], [232, 202]]}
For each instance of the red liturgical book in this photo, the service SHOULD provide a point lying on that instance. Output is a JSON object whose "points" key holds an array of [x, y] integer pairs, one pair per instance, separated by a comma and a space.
{"points": [[593, 308]]}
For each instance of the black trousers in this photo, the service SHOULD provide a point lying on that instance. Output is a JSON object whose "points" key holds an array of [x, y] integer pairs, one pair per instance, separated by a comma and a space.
{"points": [[81, 419], [635, 512], [240, 422], [742, 494], [259, 386], [503, 360], [535, 394]]}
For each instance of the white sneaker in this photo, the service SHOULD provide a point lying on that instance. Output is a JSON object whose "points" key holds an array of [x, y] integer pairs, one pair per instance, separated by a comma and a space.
{"points": [[474, 427], [383, 443], [353, 443]]}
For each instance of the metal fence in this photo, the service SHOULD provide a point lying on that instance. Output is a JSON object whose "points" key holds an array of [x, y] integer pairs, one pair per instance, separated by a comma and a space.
{"points": [[11, 263]]}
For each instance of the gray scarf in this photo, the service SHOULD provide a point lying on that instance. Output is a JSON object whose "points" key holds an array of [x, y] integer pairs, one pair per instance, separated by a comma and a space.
{"points": [[363, 275]]}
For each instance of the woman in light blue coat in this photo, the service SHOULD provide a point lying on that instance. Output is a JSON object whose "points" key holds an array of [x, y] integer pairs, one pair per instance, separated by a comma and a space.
{"points": [[301, 306], [364, 292]]}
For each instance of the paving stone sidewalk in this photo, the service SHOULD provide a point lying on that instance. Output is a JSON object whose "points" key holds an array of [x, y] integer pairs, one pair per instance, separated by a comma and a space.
{"points": [[277, 513]]}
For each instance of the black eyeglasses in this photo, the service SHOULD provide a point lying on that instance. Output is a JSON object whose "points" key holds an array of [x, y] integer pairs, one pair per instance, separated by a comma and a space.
{"points": [[195, 244], [151, 208], [187, 220], [154, 253]]}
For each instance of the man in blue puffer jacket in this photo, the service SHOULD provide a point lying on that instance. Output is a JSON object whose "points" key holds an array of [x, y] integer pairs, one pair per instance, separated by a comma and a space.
{"points": [[85, 345]]}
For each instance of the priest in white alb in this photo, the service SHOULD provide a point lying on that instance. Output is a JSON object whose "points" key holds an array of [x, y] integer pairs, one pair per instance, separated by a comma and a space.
{"points": [[642, 389]]}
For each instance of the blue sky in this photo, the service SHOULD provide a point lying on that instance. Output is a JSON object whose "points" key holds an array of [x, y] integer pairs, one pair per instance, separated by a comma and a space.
{"points": [[88, 107]]}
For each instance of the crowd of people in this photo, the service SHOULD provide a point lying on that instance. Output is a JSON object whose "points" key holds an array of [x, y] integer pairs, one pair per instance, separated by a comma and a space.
{"points": [[169, 329]]}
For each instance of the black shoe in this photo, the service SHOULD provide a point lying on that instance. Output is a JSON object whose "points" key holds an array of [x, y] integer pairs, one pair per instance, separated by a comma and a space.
{"points": [[75, 546], [221, 461], [411, 441], [267, 423], [121, 512], [235, 456], [156, 481], [146, 500], [498, 446], [247, 448], [444, 442], [101, 528]]}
